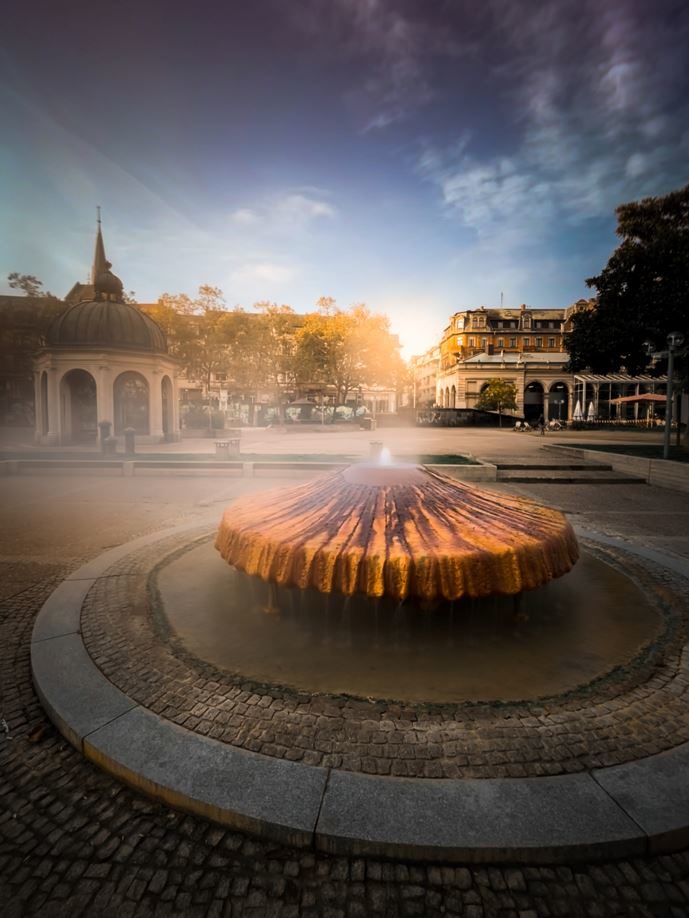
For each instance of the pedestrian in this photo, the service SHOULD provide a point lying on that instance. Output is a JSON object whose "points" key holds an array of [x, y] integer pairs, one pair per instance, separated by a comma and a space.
{"points": [[541, 425]]}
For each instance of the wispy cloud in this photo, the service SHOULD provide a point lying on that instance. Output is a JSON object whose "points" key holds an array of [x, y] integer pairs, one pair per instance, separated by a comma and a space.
{"points": [[391, 46], [598, 122], [286, 211], [266, 271]]}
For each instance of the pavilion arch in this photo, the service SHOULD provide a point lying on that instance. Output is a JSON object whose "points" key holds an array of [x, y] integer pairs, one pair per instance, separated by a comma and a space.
{"points": [[131, 399], [453, 397], [533, 400], [447, 396], [78, 398], [558, 401]]}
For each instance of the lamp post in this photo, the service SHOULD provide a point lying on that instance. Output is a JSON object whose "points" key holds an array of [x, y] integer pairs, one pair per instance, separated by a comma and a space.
{"points": [[675, 340]]}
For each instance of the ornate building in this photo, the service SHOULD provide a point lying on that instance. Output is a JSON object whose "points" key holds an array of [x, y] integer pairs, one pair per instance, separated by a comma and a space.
{"points": [[104, 360], [524, 346]]}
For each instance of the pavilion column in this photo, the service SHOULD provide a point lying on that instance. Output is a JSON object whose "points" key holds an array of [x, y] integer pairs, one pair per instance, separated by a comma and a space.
{"points": [[175, 432], [155, 398], [39, 409], [54, 413], [105, 403]]}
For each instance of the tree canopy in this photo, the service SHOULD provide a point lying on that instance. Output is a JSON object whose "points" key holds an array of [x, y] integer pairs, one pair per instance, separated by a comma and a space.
{"points": [[342, 350], [497, 395], [643, 291]]}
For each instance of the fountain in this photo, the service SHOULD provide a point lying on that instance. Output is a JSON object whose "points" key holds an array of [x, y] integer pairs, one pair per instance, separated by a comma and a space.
{"points": [[385, 580], [399, 531]]}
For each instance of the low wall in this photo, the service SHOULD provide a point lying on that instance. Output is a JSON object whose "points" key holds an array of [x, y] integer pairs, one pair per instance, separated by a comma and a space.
{"points": [[664, 473]]}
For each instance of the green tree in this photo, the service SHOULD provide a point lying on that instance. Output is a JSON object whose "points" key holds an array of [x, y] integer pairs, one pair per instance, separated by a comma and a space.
{"points": [[27, 283], [498, 395], [643, 291]]}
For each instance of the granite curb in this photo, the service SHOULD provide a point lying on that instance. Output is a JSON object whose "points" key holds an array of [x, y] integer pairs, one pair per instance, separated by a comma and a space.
{"points": [[621, 811]]}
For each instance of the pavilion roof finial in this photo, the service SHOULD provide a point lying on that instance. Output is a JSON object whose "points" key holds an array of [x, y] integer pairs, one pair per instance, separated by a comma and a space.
{"points": [[100, 262], [105, 284]]}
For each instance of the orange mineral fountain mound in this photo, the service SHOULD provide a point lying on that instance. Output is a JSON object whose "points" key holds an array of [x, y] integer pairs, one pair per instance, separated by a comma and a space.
{"points": [[401, 531]]}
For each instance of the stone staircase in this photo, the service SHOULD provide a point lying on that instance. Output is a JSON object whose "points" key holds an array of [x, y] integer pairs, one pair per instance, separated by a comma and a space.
{"points": [[529, 471]]}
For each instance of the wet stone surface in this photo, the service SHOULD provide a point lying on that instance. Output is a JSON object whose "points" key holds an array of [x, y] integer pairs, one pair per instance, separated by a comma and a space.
{"points": [[637, 711], [74, 842]]}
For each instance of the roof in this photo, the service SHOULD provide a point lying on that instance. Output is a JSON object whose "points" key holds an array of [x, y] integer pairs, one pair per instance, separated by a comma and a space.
{"points": [[617, 378], [106, 324], [512, 359]]}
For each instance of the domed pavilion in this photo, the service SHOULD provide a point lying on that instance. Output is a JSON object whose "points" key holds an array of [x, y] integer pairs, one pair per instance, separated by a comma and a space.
{"points": [[105, 360]]}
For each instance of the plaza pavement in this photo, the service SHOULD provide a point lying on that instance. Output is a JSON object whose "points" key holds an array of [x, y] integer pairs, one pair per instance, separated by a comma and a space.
{"points": [[73, 841]]}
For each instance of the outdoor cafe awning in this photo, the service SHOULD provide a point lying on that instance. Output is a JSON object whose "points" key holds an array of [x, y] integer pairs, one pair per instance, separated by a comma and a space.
{"points": [[648, 397]]}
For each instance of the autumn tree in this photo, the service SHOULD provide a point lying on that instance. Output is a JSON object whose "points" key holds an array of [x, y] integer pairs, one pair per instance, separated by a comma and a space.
{"points": [[498, 395], [344, 350]]}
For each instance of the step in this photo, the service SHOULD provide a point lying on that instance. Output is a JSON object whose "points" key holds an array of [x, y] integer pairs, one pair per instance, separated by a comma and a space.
{"points": [[590, 476], [555, 466]]}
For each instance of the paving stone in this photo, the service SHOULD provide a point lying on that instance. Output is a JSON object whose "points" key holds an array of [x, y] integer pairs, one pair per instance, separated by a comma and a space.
{"points": [[77, 697], [229, 784], [655, 793], [549, 819]]}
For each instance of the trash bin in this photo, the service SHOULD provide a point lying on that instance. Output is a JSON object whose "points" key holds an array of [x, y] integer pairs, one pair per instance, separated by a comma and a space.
{"points": [[129, 447], [109, 446], [366, 424], [376, 449]]}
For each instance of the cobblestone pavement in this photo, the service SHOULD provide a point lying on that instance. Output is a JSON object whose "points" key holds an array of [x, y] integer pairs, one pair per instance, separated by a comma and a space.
{"points": [[640, 710], [73, 841]]}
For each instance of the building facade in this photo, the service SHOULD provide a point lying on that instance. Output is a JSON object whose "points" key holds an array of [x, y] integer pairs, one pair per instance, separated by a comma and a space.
{"points": [[523, 346]]}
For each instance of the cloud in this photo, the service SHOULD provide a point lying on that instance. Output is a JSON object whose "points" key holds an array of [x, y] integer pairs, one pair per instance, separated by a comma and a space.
{"points": [[598, 119], [391, 46], [286, 211], [245, 217], [266, 271]]}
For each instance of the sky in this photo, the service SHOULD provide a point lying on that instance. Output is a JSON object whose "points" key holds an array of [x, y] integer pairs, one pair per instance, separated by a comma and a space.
{"points": [[420, 156]]}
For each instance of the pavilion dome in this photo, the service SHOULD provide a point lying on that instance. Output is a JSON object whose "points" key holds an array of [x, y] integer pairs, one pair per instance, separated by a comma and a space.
{"points": [[106, 324]]}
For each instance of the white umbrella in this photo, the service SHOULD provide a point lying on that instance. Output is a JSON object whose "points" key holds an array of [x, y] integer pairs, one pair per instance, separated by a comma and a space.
{"points": [[578, 415], [591, 413]]}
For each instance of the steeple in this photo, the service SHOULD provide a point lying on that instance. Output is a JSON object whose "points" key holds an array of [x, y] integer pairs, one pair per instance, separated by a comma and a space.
{"points": [[100, 263], [106, 285]]}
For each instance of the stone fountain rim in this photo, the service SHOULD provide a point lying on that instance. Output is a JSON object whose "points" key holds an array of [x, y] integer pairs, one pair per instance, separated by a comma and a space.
{"points": [[626, 810]]}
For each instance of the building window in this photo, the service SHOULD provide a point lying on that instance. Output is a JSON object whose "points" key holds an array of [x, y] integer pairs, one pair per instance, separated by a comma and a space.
{"points": [[472, 342], [539, 342], [513, 342], [483, 343], [501, 342], [527, 342], [551, 342]]}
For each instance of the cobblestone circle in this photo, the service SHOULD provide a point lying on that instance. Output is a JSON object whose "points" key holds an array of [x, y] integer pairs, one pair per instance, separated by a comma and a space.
{"points": [[638, 710], [75, 842]]}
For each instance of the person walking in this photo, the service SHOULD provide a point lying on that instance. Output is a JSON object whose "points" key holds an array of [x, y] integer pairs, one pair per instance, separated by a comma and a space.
{"points": [[541, 425]]}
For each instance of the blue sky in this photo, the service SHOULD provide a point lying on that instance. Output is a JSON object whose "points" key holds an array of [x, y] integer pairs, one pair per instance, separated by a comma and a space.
{"points": [[421, 157]]}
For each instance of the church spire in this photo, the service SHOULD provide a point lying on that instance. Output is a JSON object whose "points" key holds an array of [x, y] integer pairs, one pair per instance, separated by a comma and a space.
{"points": [[100, 262], [105, 284]]}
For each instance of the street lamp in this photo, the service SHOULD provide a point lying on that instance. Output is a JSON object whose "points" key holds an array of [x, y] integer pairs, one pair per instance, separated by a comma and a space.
{"points": [[675, 340]]}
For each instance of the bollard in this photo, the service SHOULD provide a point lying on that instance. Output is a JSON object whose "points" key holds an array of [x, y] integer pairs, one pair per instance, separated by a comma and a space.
{"points": [[129, 447]]}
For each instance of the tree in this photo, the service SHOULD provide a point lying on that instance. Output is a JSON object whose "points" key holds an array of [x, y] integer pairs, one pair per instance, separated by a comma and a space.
{"points": [[27, 283], [643, 291], [344, 350], [497, 395]]}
